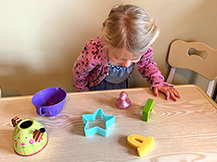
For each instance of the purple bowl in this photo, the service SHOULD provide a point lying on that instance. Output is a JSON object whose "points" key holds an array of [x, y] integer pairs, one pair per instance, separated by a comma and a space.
{"points": [[49, 101]]}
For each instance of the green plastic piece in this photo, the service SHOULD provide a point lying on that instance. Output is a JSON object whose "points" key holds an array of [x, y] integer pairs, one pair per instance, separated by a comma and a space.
{"points": [[146, 110]]}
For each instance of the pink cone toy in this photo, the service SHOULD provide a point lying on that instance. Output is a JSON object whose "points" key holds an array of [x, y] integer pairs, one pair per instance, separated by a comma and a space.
{"points": [[123, 101]]}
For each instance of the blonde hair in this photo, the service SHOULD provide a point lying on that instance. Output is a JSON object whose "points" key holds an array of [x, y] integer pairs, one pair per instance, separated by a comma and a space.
{"points": [[129, 27]]}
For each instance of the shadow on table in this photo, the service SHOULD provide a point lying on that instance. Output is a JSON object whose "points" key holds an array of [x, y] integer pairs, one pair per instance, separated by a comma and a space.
{"points": [[77, 126], [123, 142]]}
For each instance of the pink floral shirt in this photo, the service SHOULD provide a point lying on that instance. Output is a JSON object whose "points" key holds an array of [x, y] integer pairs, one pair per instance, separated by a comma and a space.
{"points": [[91, 67]]}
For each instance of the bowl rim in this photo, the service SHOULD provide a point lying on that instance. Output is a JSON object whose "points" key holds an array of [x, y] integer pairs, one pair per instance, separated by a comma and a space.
{"points": [[64, 98]]}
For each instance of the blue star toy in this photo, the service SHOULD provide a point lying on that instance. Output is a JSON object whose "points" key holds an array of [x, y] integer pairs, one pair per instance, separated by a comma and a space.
{"points": [[108, 119]]}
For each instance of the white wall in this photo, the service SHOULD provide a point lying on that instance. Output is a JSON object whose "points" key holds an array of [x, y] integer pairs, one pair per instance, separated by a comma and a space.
{"points": [[41, 39]]}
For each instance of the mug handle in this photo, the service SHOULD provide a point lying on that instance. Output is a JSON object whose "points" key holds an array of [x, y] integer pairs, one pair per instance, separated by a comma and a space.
{"points": [[39, 111]]}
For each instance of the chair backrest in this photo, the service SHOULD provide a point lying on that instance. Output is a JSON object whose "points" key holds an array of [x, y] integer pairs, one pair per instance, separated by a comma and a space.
{"points": [[195, 56]]}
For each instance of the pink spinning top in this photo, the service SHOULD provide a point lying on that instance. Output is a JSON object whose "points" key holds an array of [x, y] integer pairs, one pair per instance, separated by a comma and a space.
{"points": [[123, 101]]}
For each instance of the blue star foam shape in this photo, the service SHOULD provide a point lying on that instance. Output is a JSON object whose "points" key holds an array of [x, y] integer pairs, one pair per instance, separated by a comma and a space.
{"points": [[108, 119]]}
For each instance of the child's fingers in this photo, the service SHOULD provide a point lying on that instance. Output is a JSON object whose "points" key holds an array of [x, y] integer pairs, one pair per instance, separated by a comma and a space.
{"points": [[173, 96], [167, 95], [156, 91], [176, 93], [169, 92]]}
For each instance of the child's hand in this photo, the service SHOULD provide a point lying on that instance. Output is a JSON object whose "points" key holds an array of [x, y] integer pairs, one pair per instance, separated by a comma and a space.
{"points": [[168, 91]]}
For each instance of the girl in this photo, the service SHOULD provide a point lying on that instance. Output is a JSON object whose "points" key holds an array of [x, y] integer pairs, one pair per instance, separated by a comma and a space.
{"points": [[107, 61]]}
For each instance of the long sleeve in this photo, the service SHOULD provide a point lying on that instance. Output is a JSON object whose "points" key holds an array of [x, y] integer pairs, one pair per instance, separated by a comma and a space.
{"points": [[91, 67], [148, 69], [82, 67]]}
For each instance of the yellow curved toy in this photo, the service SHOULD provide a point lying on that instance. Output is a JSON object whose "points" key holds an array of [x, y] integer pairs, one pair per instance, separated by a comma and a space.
{"points": [[142, 144]]}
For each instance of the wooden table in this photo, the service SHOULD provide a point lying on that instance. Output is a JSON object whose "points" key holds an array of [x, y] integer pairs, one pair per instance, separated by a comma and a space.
{"points": [[185, 130]]}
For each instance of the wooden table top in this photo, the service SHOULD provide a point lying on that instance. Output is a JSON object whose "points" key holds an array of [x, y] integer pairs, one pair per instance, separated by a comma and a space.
{"points": [[185, 130]]}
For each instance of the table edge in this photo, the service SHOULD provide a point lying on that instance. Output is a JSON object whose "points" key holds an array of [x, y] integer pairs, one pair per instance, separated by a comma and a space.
{"points": [[118, 90]]}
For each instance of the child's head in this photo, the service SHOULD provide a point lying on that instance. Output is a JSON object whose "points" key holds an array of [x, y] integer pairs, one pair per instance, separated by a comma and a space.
{"points": [[129, 28]]}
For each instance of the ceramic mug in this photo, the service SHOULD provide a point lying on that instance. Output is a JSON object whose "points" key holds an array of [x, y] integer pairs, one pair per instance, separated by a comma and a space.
{"points": [[49, 101]]}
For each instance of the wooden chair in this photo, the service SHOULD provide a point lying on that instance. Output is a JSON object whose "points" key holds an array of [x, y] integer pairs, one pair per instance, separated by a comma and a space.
{"points": [[195, 56]]}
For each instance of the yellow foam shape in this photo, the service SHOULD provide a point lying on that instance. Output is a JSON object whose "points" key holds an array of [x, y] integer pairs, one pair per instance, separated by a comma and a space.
{"points": [[142, 144]]}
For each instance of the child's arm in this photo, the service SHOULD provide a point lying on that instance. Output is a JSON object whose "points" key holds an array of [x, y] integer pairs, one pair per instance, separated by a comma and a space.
{"points": [[83, 66], [148, 69]]}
